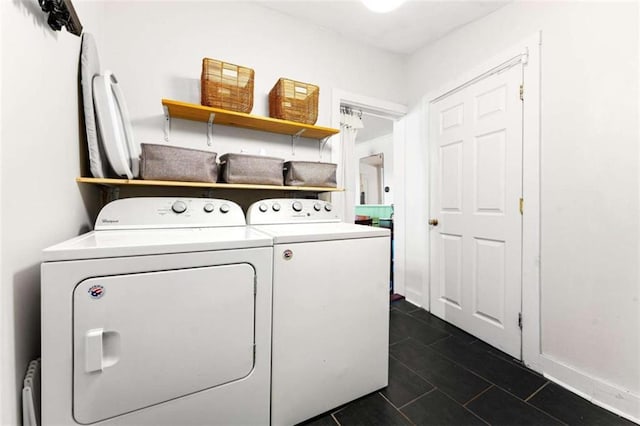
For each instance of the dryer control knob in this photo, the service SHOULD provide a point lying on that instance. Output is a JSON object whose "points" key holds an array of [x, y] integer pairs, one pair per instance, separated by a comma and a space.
{"points": [[224, 208], [328, 207], [179, 207], [263, 207], [297, 206], [317, 207], [276, 207], [208, 207]]}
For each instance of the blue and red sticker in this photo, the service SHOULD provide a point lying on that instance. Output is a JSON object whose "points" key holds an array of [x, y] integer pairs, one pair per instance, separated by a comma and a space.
{"points": [[96, 291]]}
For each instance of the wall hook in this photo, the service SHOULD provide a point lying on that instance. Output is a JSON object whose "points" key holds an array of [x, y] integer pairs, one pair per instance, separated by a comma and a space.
{"points": [[61, 14]]}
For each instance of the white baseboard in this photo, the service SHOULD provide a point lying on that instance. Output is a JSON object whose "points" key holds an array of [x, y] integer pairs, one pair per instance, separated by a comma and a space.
{"points": [[606, 395], [414, 298]]}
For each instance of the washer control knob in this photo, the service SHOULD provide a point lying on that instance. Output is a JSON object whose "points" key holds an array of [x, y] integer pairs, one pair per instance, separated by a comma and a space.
{"points": [[263, 207], [276, 207], [317, 207], [328, 207], [179, 207], [297, 206], [208, 208], [224, 208]]}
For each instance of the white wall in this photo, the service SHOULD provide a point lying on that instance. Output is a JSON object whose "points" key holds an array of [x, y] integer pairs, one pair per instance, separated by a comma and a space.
{"points": [[589, 171], [3, 342], [384, 145], [412, 207], [156, 50], [40, 202]]}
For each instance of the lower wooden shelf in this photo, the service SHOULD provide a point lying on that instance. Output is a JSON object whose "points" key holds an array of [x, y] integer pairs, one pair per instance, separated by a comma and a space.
{"points": [[140, 182]]}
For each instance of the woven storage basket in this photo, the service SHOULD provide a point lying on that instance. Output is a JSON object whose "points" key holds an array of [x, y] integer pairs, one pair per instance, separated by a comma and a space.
{"points": [[294, 101], [226, 86]]}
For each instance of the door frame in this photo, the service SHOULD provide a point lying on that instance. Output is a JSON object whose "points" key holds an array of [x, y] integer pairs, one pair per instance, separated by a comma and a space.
{"points": [[344, 200], [531, 139]]}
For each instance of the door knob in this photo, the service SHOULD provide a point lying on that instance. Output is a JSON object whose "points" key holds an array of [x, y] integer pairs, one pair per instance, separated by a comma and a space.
{"points": [[433, 222]]}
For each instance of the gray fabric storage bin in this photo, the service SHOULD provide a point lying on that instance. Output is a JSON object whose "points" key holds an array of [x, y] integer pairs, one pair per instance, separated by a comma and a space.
{"points": [[165, 162], [310, 173], [255, 169]]}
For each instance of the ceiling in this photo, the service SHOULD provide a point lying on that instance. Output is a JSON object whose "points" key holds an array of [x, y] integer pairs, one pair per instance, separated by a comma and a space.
{"points": [[404, 30]]}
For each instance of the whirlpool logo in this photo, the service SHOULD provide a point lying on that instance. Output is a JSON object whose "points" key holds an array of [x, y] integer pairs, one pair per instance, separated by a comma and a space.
{"points": [[96, 291], [110, 221]]}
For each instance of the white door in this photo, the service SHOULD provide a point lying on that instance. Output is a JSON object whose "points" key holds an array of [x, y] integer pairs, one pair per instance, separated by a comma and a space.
{"points": [[142, 339], [476, 186]]}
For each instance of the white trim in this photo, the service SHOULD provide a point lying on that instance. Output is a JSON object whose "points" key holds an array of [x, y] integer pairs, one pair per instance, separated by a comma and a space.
{"points": [[531, 226], [520, 58], [399, 207], [344, 201], [390, 109], [594, 390]]}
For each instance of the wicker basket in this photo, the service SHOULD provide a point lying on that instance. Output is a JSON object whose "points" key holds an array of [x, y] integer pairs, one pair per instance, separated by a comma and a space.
{"points": [[226, 86], [294, 101]]}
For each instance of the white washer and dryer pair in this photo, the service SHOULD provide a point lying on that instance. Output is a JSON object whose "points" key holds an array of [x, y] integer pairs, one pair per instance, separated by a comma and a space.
{"points": [[160, 316], [165, 314]]}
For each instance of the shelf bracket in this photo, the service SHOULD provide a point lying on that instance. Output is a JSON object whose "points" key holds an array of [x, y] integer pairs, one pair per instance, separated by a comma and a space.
{"points": [[167, 123], [212, 116], [294, 139], [322, 143]]}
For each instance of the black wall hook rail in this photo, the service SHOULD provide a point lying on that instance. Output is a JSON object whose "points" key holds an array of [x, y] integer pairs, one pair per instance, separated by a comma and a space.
{"points": [[61, 14]]}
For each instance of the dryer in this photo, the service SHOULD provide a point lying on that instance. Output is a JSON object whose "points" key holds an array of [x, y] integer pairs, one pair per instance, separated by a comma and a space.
{"points": [[330, 337], [160, 316]]}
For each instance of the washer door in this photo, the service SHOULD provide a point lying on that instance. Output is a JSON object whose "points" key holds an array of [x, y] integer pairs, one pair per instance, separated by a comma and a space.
{"points": [[143, 339]]}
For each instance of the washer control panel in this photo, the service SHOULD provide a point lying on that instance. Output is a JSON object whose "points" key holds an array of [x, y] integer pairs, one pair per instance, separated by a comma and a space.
{"points": [[290, 210], [168, 212]]}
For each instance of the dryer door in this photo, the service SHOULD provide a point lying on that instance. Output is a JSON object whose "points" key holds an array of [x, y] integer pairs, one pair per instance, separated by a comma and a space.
{"points": [[142, 339]]}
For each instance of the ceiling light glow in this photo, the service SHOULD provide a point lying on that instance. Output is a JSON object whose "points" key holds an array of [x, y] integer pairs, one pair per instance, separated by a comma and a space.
{"points": [[382, 6]]}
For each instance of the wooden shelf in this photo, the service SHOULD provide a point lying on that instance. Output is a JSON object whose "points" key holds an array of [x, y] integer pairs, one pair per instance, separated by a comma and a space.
{"points": [[196, 112], [140, 182]]}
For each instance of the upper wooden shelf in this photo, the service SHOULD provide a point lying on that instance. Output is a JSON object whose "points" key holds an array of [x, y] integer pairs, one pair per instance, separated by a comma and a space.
{"points": [[142, 182], [196, 112]]}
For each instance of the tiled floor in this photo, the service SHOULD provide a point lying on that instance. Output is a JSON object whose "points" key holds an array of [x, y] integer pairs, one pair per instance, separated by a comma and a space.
{"points": [[440, 375]]}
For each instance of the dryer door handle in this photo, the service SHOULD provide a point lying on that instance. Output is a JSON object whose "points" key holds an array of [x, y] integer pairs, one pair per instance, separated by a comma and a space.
{"points": [[93, 350], [102, 349]]}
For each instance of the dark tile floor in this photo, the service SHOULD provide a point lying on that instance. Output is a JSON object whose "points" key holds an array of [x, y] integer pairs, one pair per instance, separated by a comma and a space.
{"points": [[440, 375]]}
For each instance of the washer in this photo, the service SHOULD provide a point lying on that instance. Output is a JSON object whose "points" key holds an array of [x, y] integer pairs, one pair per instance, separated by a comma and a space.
{"points": [[330, 307], [160, 316]]}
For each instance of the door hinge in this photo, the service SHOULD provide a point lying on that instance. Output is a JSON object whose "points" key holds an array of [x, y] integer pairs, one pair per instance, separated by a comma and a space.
{"points": [[521, 206], [520, 320], [254, 351], [255, 285], [522, 92]]}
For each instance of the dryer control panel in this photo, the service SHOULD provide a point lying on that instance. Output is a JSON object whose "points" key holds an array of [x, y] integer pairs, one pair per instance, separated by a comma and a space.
{"points": [[168, 212], [290, 210]]}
